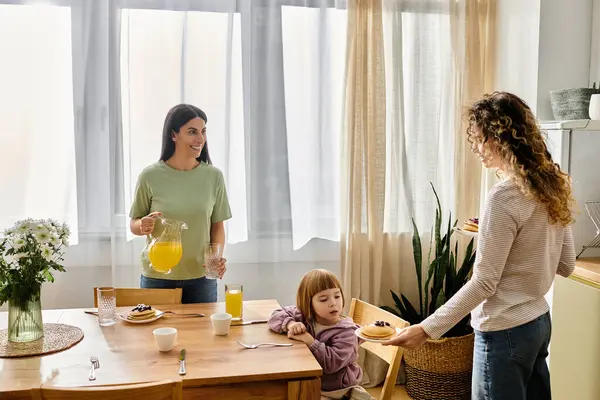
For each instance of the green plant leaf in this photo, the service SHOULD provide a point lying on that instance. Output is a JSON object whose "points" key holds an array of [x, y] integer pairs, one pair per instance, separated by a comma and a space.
{"points": [[399, 305], [438, 222], [441, 299], [391, 310], [450, 275], [410, 310], [418, 258], [48, 275], [464, 273], [430, 273], [438, 279]]}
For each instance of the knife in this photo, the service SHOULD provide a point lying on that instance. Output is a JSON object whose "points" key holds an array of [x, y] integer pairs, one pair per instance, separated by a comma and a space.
{"points": [[256, 321], [182, 370]]}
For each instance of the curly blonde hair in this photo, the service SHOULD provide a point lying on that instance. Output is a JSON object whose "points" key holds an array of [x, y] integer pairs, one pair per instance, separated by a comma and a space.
{"points": [[507, 127]]}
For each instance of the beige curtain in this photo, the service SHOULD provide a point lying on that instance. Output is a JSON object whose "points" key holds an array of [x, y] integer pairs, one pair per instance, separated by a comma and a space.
{"points": [[373, 262], [363, 153], [474, 47]]}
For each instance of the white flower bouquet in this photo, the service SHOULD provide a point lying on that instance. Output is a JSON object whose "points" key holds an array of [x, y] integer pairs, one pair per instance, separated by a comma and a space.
{"points": [[29, 253]]}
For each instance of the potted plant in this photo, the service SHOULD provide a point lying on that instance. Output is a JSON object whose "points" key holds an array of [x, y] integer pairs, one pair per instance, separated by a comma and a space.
{"points": [[29, 252], [440, 369]]}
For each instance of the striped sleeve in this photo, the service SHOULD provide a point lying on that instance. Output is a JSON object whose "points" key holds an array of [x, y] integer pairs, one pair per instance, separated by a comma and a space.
{"points": [[497, 231], [566, 263]]}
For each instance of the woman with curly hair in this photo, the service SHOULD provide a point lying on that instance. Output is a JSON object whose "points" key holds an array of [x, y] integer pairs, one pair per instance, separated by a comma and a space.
{"points": [[525, 239]]}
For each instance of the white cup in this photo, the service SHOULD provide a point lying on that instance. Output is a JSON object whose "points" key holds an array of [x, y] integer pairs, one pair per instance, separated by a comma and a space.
{"points": [[165, 338], [221, 323]]}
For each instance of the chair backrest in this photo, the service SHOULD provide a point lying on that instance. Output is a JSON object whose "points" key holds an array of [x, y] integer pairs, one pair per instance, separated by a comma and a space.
{"points": [[364, 313], [163, 390], [133, 297]]}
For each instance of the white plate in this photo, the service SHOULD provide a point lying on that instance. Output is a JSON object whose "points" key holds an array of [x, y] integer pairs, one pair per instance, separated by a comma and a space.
{"points": [[464, 232], [368, 339], [123, 316]]}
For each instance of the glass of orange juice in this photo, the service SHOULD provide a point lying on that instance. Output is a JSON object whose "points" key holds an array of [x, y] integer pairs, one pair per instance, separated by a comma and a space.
{"points": [[234, 300]]}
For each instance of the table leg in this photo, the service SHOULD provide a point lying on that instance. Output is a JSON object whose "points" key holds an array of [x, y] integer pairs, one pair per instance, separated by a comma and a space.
{"points": [[305, 390]]}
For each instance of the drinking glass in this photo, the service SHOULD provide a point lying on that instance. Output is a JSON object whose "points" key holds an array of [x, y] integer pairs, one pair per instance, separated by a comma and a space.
{"points": [[213, 253], [234, 300], [107, 305]]}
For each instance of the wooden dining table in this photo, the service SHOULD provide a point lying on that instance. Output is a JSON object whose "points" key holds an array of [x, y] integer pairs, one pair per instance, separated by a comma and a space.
{"points": [[217, 366]]}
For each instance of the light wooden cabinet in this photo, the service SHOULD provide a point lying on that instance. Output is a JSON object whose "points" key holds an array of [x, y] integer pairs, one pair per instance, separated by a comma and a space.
{"points": [[575, 344]]}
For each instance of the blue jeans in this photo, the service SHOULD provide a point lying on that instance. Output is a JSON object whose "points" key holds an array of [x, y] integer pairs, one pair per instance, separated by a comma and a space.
{"points": [[511, 364], [199, 290]]}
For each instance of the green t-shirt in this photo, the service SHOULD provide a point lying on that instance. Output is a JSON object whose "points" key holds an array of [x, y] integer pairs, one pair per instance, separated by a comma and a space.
{"points": [[197, 197]]}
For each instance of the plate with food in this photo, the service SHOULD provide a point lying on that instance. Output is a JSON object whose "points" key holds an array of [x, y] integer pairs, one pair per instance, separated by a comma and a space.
{"points": [[141, 314], [377, 332], [469, 228]]}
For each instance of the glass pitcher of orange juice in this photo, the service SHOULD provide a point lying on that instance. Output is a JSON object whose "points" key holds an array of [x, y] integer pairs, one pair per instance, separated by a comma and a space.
{"points": [[234, 300], [164, 249]]}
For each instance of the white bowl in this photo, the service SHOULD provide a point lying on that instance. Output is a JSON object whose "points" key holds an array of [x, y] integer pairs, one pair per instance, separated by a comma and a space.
{"points": [[165, 338], [221, 323]]}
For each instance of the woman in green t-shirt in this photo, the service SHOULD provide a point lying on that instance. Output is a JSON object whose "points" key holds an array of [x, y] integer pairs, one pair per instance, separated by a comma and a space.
{"points": [[183, 185]]}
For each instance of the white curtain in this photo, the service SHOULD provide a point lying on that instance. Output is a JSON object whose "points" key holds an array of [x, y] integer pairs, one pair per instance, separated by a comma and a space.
{"points": [[37, 124], [420, 92], [420, 104], [314, 50]]}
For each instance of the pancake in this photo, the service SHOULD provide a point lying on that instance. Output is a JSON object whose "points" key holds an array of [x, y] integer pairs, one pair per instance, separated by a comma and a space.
{"points": [[378, 330], [141, 312], [472, 225]]}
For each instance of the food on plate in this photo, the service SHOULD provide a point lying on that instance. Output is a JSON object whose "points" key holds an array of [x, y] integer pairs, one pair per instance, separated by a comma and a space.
{"points": [[141, 312], [378, 330], [472, 225]]}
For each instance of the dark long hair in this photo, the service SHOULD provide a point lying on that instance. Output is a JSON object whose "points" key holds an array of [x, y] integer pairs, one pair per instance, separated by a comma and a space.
{"points": [[178, 116]]}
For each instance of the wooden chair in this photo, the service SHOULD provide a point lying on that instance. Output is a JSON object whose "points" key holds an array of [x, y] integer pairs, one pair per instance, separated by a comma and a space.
{"points": [[133, 297], [162, 390], [364, 313]]}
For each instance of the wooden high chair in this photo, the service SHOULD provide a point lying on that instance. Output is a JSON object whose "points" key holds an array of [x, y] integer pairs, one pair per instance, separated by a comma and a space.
{"points": [[162, 390], [364, 313], [133, 297]]}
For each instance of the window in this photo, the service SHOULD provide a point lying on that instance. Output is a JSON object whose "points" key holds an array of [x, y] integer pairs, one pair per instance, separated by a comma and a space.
{"points": [[314, 60], [265, 92], [37, 131], [110, 72]]}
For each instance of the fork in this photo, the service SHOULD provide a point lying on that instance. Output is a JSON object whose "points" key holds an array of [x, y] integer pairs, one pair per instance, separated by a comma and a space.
{"points": [[95, 364], [255, 346], [181, 315]]}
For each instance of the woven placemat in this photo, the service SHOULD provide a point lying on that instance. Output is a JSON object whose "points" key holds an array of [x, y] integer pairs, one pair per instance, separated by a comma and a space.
{"points": [[57, 337]]}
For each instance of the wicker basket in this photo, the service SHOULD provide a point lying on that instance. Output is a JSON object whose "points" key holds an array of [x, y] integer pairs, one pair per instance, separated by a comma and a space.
{"points": [[570, 104], [440, 369]]}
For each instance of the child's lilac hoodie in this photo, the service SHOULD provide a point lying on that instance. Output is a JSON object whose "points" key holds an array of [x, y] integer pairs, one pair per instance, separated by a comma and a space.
{"points": [[335, 348]]}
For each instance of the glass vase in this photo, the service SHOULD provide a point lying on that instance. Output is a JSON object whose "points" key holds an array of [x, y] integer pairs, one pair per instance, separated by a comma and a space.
{"points": [[25, 320]]}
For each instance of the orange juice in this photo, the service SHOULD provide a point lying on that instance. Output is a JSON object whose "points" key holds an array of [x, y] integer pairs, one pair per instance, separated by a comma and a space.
{"points": [[165, 255], [234, 303]]}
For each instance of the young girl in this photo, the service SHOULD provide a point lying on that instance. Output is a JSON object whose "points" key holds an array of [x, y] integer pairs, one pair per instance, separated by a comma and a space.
{"points": [[318, 322]]}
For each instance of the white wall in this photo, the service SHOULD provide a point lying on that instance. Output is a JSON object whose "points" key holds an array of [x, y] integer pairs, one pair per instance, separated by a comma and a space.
{"points": [[545, 45], [517, 42], [564, 49], [595, 54]]}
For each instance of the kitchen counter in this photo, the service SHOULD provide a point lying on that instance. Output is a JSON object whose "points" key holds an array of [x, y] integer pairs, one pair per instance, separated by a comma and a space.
{"points": [[587, 271], [574, 348]]}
